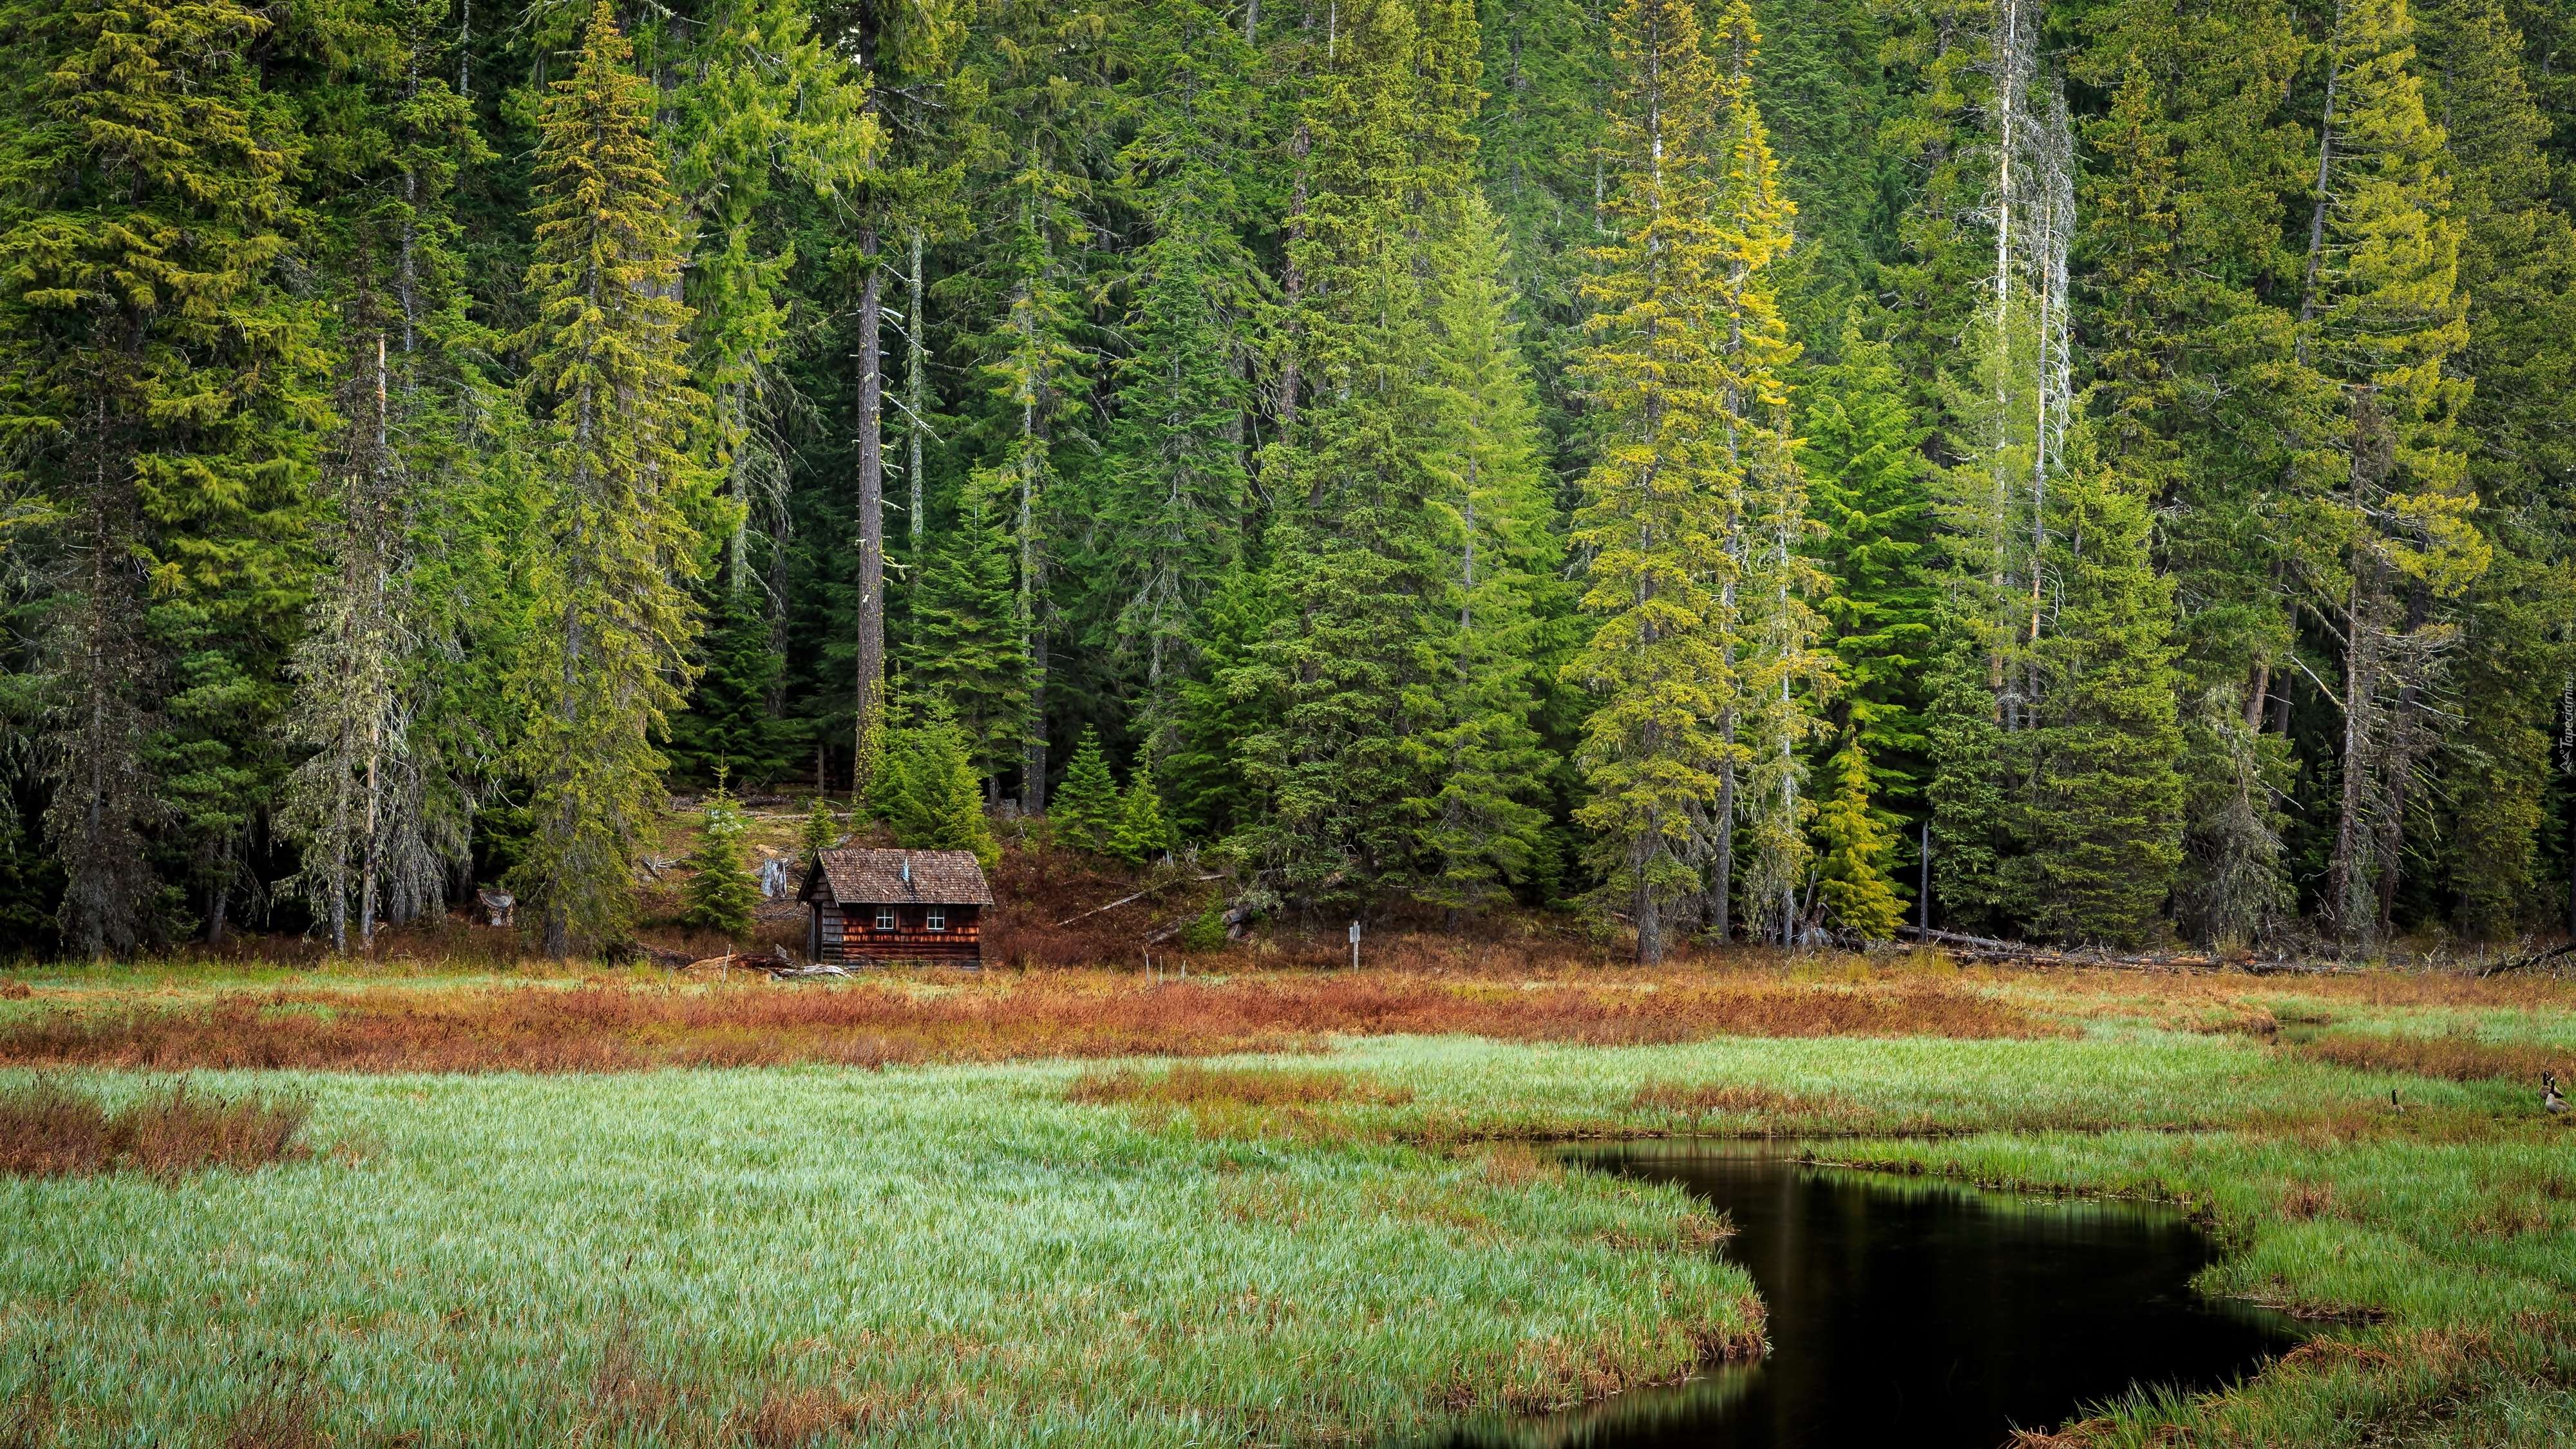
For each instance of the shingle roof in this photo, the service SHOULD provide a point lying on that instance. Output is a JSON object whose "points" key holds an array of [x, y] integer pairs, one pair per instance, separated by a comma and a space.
{"points": [[878, 877]]}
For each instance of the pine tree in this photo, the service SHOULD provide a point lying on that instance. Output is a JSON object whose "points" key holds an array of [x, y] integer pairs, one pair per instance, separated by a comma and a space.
{"points": [[928, 789], [1141, 834], [1085, 806], [729, 721], [161, 400], [1852, 866], [820, 830], [722, 895], [607, 652], [1478, 679], [1660, 505], [2105, 809], [2383, 528]]}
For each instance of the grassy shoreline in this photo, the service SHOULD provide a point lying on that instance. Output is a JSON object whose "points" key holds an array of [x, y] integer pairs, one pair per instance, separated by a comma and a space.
{"points": [[1325, 1245]]}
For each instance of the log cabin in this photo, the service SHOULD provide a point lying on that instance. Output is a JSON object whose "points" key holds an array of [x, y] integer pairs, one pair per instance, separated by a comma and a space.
{"points": [[896, 907]]}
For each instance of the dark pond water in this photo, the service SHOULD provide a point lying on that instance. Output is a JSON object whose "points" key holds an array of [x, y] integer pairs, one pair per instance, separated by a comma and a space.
{"points": [[1924, 1314]]}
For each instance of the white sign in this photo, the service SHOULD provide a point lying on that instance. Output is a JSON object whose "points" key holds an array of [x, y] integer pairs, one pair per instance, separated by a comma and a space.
{"points": [[1355, 933]]}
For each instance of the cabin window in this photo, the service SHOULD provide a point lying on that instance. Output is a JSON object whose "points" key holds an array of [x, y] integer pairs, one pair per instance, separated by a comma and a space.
{"points": [[885, 918], [937, 920]]}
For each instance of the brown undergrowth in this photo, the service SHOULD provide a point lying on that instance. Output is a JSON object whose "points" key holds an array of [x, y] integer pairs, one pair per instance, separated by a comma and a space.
{"points": [[49, 1130], [2456, 1056], [607, 1025]]}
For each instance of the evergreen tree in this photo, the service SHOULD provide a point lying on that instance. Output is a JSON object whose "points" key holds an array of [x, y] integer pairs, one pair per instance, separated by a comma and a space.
{"points": [[928, 789], [1477, 680], [2105, 809], [729, 721], [1141, 834], [1167, 515], [607, 652], [1786, 677], [2382, 528], [1085, 806], [1851, 866], [722, 895], [820, 830], [160, 401], [966, 645], [1355, 553], [1866, 484], [1660, 505]]}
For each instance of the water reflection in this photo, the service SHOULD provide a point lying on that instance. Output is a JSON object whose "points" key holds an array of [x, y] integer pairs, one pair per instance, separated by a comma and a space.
{"points": [[1922, 1313]]}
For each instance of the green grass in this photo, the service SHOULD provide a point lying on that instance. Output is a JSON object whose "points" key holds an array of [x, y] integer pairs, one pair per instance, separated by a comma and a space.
{"points": [[961, 1255], [938, 1257]]}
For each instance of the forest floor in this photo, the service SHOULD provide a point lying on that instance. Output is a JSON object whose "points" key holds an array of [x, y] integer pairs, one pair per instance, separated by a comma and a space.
{"points": [[1268, 1203]]}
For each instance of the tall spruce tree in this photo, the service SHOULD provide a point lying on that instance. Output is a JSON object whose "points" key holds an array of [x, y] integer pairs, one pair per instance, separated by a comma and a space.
{"points": [[607, 653], [1661, 504], [1477, 686], [1168, 510], [1786, 677], [1355, 552], [2382, 531], [161, 397]]}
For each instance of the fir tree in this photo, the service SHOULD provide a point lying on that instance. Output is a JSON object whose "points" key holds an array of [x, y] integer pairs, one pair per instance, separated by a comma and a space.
{"points": [[1852, 866], [1478, 679], [722, 895], [1355, 553], [2383, 527], [1786, 678], [928, 789], [2105, 817], [1659, 506], [1141, 834], [967, 646], [1169, 500], [160, 404], [607, 652], [820, 830], [1866, 484], [1085, 807], [729, 720]]}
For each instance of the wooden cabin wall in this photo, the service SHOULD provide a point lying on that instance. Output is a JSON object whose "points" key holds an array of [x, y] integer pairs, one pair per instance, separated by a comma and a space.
{"points": [[910, 940]]}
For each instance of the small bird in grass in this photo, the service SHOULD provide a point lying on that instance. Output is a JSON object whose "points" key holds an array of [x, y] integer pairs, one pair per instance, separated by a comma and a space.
{"points": [[2550, 1101], [2392, 1101]]}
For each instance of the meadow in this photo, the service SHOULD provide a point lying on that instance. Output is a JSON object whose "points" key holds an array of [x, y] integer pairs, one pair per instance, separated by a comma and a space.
{"points": [[1252, 1207]]}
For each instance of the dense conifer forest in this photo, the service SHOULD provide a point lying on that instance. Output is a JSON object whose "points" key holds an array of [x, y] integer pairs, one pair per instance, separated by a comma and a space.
{"points": [[1673, 462]]}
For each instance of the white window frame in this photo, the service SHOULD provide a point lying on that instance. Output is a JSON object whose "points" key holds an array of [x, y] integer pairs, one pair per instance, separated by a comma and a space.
{"points": [[935, 919], [885, 918]]}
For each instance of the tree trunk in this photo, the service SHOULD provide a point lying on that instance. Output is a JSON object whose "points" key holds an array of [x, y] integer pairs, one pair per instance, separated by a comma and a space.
{"points": [[871, 620]]}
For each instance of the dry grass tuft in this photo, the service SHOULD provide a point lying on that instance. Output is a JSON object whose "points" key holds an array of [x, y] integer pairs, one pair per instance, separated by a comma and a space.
{"points": [[49, 1130], [15, 991], [791, 1418], [1704, 1099], [602, 1025], [284, 1411], [2457, 1057]]}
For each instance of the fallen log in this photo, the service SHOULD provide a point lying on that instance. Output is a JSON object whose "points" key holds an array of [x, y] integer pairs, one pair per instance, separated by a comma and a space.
{"points": [[1138, 896]]}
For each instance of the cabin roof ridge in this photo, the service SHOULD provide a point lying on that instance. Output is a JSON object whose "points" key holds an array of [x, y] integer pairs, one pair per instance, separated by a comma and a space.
{"points": [[878, 875]]}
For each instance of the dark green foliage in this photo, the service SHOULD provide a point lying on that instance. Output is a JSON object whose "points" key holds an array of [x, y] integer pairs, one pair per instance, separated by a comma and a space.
{"points": [[386, 390], [928, 789], [1141, 834], [729, 724], [723, 894], [1085, 806]]}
